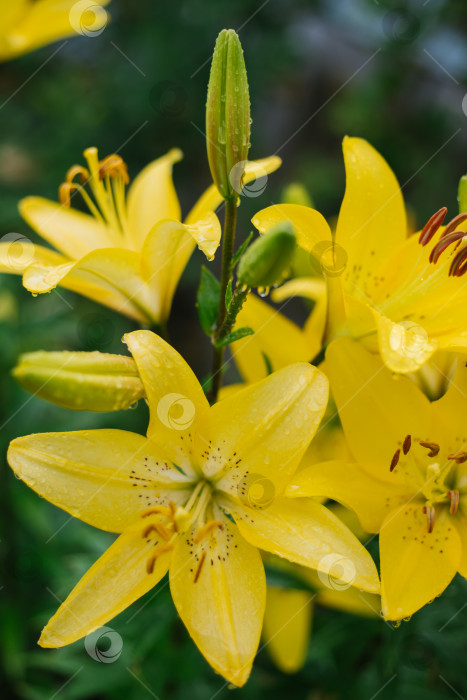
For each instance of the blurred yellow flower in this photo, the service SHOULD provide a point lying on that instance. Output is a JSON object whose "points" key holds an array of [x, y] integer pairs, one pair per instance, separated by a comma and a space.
{"points": [[198, 496], [130, 251], [410, 480], [385, 288], [26, 25]]}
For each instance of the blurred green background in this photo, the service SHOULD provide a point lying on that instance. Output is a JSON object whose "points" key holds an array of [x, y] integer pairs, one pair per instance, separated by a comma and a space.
{"points": [[393, 73]]}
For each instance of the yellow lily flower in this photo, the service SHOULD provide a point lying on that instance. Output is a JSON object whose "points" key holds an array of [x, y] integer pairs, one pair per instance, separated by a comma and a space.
{"points": [[197, 497], [129, 252], [409, 482], [28, 24], [400, 295]]}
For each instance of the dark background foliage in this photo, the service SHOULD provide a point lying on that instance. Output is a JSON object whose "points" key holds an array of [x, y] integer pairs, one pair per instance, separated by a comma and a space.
{"points": [[393, 73]]}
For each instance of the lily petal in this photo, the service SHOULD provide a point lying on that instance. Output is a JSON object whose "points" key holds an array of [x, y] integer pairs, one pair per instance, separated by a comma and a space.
{"points": [[416, 566], [70, 231], [287, 627], [104, 477], [113, 583], [404, 346], [369, 497], [377, 408], [310, 226], [211, 198], [176, 399], [152, 197], [17, 254], [220, 594], [307, 533], [263, 430], [276, 343], [372, 221]]}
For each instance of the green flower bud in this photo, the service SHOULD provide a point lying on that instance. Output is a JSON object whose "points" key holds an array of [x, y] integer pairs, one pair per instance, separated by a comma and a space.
{"points": [[462, 194], [87, 381], [265, 262], [228, 115], [295, 193]]}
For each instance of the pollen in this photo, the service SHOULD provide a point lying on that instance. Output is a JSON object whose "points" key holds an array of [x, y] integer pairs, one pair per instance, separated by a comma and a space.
{"points": [[113, 166], [433, 447], [407, 444]]}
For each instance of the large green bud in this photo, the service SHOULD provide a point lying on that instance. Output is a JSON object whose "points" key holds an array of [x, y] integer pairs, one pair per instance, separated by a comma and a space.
{"points": [[228, 115], [266, 261]]}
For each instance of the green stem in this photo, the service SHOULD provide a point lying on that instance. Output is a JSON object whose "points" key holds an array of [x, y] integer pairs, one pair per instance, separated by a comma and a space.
{"points": [[228, 241], [237, 301]]}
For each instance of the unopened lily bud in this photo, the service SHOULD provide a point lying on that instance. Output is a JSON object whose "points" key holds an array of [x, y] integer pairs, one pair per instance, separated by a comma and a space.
{"points": [[228, 115], [462, 194], [296, 193], [266, 261], [87, 381]]}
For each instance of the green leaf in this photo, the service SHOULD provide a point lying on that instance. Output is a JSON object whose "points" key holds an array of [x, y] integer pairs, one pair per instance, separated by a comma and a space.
{"points": [[228, 294], [241, 250], [207, 300], [267, 362], [235, 335]]}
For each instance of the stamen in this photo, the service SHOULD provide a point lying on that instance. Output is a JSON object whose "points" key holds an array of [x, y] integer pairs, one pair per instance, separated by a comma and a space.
{"points": [[395, 460], [156, 510], [77, 170], [432, 446], [407, 444], [160, 529], [207, 530], [163, 549], [432, 225], [444, 242], [430, 517], [454, 223], [64, 193], [459, 264], [455, 497], [200, 566], [113, 166], [458, 457]]}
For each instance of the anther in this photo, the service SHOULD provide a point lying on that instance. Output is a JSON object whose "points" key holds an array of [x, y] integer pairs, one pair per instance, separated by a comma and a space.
{"points": [[454, 223], [454, 497], [407, 444], [113, 166], [157, 510], [459, 263], [431, 446], [207, 530], [200, 566], [158, 528], [395, 460], [432, 225], [64, 193], [458, 457], [444, 242], [77, 170], [430, 517], [163, 549]]}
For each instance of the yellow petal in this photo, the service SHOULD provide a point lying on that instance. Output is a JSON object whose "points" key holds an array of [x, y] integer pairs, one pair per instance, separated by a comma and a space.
{"points": [[314, 289], [104, 477], [310, 226], [404, 346], [152, 197], [377, 409], [176, 399], [70, 231], [219, 590], [372, 221], [19, 252], [263, 430], [450, 409], [113, 583], [307, 533], [110, 276], [276, 343], [369, 497], [416, 566], [211, 198], [461, 524], [287, 627]]}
